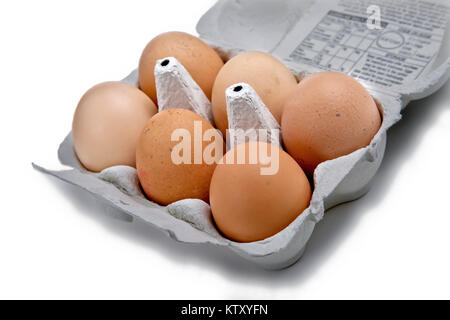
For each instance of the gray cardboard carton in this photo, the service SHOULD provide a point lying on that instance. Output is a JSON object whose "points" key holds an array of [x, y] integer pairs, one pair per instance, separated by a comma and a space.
{"points": [[400, 58]]}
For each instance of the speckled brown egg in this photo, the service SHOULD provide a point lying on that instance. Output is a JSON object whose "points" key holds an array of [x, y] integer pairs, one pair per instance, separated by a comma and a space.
{"points": [[107, 124], [329, 115], [248, 205], [167, 171], [199, 59], [268, 76]]}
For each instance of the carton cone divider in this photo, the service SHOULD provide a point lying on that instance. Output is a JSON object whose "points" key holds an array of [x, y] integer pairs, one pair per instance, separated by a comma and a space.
{"points": [[249, 118], [176, 89]]}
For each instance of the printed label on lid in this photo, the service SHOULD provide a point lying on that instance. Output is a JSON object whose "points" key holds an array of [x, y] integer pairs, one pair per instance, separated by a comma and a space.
{"points": [[381, 42]]}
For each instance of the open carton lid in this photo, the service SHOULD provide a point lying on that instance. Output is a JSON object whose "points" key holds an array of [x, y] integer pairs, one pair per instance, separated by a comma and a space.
{"points": [[391, 47]]}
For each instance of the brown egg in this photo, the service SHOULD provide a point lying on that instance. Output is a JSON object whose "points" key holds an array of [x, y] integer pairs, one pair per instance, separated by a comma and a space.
{"points": [[167, 171], [199, 59], [270, 78], [107, 124], [249, 204], [328, 116]]}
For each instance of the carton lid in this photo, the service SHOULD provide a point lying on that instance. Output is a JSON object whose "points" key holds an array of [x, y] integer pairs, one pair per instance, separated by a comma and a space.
{"points": [[387, 45]]}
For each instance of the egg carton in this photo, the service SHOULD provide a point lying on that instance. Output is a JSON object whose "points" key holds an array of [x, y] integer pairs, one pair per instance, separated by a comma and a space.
{"points": [[290, 30]]}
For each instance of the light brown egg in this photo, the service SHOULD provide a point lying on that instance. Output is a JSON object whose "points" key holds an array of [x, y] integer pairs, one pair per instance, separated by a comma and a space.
{"points": [[270, 78], [199, 59], [248, 205], [328, 116], [107, 124], [165, 177]]}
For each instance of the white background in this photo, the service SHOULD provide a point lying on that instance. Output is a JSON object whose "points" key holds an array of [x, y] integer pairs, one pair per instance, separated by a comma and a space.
{"points": [[57, 242]]}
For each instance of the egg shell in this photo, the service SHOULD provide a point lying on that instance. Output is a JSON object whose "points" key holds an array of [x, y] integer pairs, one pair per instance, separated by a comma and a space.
{"points": [[249, 206], [329, 115], [107, 124], [199, 59], [268, 76], [162, 179]]}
